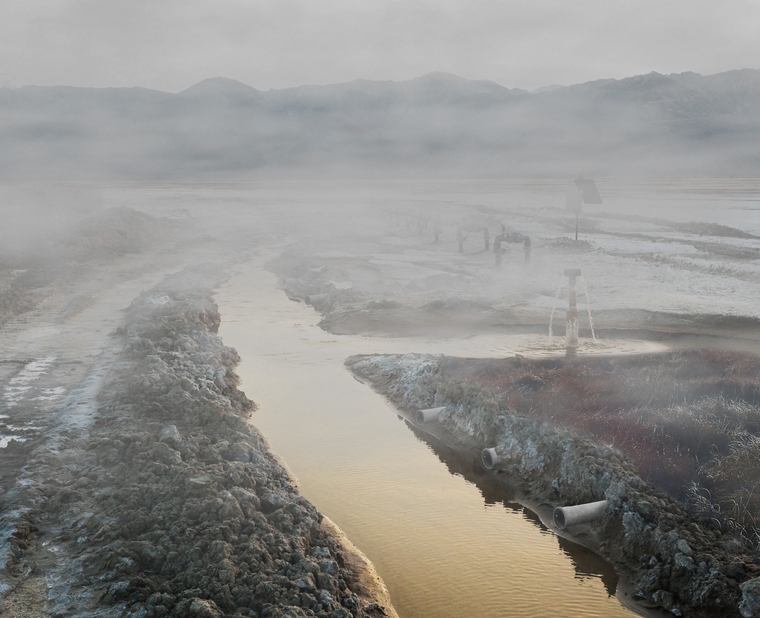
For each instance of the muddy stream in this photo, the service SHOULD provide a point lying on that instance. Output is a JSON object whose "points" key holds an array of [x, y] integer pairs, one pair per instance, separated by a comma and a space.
{"points": [[444, 547]]}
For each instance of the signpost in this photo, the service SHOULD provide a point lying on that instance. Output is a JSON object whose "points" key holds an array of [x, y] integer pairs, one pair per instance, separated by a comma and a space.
{"points": [[585, 191]]}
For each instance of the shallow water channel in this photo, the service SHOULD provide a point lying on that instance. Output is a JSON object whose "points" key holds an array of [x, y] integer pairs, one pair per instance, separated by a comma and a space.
{"points": [[446, 542]]}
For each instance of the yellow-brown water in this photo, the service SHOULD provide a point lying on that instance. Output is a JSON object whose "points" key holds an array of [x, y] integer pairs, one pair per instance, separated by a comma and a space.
{"points": [[443, 548]]}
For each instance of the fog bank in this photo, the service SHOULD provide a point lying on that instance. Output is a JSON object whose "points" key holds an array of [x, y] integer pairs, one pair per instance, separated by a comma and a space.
{"points": [[438, 125]]}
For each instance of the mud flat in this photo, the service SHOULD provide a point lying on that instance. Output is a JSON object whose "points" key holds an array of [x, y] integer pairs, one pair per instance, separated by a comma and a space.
{"points": [[388, 274], [673, 555]]}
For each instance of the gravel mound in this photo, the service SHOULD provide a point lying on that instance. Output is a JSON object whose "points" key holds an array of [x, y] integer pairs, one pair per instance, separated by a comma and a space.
{"points": [[173, 505], [199, 519]]}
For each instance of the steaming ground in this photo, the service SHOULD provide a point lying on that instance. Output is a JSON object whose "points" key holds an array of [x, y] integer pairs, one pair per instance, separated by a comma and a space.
{"points": [[130, 477], [652, 262], [659, 260]]}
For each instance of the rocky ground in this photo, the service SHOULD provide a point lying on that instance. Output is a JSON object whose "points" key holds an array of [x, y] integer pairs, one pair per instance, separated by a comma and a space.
{"points": [[679, 557], [132, 481]]}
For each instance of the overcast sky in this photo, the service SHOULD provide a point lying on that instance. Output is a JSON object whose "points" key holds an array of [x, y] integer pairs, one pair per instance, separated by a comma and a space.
{"points": [[172, 44]]}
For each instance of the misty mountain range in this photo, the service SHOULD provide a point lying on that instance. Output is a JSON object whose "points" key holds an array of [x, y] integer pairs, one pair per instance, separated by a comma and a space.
{"points": [[438, 125]]}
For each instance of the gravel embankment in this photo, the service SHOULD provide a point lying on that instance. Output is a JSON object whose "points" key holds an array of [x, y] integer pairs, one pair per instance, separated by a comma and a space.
{"points": [[202, 520], [170, 503]]}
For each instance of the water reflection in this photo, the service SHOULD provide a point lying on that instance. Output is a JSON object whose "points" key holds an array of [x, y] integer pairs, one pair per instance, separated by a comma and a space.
{"points": [[467, 465], [437, 535], [588, 565]]}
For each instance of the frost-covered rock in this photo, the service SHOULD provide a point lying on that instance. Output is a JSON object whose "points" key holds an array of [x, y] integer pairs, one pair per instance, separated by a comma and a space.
{"points": [[189, 514], [750, 603], [685, 567]]}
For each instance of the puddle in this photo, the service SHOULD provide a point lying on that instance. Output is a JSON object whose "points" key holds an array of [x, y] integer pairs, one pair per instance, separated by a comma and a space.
{"points": [[546, 346]]}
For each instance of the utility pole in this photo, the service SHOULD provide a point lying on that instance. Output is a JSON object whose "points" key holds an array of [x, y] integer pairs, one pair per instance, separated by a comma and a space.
{"points": [[587, 192], [571, 327], [577, 212]]}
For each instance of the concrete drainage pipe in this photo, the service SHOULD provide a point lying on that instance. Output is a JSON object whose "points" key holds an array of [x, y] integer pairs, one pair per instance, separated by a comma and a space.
{"points": [[565, 516], [428, 416], [490, 458], [315, 299]]}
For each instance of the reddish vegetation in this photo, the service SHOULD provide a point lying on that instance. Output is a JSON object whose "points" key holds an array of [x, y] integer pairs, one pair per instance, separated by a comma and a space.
{"points": [[673, 414]]}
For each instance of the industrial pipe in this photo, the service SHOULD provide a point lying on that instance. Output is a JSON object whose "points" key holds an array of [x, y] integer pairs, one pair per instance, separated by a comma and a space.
{"points": [[315, 299], [428, 416], [571, 328], [565, 516], [490, 458]]}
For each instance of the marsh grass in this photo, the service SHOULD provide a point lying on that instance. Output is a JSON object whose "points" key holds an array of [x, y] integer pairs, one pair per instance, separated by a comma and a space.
{"points": [[690, 421]]}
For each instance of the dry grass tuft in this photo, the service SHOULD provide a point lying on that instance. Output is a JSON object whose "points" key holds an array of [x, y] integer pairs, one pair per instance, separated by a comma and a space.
{"points": [[690, 421]]}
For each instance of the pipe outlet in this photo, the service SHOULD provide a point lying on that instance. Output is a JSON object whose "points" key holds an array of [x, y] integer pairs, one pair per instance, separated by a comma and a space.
{"points": [[565, 516], [428, 416], [315, 299], [490, 458]]}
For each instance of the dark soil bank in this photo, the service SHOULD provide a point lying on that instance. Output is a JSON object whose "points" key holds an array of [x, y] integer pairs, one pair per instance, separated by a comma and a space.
{"points": [[176, 507], [679, 557], [689, 420]]}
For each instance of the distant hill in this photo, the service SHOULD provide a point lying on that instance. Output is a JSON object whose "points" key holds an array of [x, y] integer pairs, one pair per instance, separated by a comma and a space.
{"points": [[438, 125]]}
